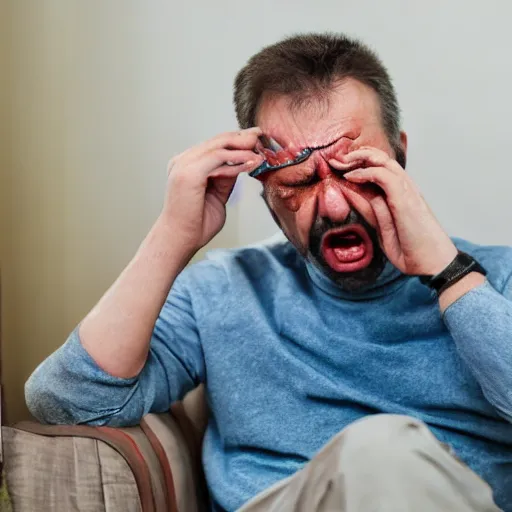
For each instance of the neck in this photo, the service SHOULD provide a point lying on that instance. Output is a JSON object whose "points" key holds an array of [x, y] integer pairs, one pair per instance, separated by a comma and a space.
{"points": [[388, 281]]}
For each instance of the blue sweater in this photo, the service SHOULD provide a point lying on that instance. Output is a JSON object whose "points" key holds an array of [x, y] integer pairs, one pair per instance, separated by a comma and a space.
{"points": [[289, 359]]}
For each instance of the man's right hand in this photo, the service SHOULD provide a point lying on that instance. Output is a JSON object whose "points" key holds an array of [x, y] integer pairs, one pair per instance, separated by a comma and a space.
{"points": [[117, 332], [200, 182]]}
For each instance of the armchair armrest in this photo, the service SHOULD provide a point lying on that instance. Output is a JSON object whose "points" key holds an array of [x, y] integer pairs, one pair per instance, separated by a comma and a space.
{"points": [[173, 434], [148, 468]]}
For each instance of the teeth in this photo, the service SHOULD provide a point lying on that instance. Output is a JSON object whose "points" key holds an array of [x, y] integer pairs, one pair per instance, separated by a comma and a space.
{"points": [[343, 251], [348, 255]]}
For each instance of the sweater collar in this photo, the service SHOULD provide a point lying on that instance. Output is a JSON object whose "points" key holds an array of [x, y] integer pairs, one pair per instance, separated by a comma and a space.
{"points": [[390, 280]]}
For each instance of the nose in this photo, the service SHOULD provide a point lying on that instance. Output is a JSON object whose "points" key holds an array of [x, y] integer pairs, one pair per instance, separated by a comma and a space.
{"points": [[332, 203]]}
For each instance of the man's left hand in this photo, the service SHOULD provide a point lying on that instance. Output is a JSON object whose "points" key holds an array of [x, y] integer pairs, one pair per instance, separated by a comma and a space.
{"points": [[409, 233]]}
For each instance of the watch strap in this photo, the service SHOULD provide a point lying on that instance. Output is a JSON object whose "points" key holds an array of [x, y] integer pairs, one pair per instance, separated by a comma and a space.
{"points": [[462, 265]]}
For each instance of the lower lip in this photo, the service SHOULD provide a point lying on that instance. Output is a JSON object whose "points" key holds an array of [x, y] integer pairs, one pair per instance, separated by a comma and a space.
{"points": [[350, 259]]}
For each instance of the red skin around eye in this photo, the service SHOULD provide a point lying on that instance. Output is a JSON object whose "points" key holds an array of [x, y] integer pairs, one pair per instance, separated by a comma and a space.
{"points": [[284, 156], [279, 158], [292, 199], [269, 156]]}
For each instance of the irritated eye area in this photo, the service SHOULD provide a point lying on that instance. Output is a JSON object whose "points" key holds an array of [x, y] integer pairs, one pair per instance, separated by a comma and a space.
{"points": [[304, 174], [294, 190], [300, 175], [305, 181]]}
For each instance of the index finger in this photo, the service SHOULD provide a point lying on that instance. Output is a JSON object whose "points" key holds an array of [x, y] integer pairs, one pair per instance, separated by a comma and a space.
{"points": [[242, 139], [373, 156]]}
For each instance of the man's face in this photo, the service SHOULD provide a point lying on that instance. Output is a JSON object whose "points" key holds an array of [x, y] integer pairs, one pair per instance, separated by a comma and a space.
{"points": [[328, 219]]}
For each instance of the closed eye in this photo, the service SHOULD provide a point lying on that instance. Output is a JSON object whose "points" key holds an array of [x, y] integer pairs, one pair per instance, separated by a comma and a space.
{"points": [[305, 182]]}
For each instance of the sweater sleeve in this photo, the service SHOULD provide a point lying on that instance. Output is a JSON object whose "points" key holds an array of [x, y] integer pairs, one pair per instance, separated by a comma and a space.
{"points": [[70, 388], [480, 323]]}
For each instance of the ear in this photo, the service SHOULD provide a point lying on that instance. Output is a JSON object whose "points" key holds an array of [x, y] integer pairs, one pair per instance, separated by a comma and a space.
{"points": [[401, 152], [403, 142]]}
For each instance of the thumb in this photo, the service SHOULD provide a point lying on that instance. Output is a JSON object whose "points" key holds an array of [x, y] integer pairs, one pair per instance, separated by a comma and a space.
{"points": [[221, 188]]}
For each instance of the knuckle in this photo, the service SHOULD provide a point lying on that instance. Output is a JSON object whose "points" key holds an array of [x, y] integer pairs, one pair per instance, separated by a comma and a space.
{"points": [[234, 135], [221, 154], [174, 161], [180, 178], [386, 159], [227, 136]]}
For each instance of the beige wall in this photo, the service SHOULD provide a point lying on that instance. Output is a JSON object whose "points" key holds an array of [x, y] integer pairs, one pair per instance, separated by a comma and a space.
{"points": [[90, 147], [6, 308]]}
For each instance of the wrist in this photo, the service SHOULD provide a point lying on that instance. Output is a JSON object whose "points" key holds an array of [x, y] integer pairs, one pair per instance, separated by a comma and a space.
{"points": [[462, 266], [168, 240], [459, 289], [443, 260]]}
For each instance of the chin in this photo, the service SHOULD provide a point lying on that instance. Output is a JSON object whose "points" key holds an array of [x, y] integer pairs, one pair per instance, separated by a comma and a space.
{"points": [[356, 280]]}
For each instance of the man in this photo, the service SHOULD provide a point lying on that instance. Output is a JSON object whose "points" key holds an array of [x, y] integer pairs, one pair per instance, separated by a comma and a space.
{"points": [[325, 356]]}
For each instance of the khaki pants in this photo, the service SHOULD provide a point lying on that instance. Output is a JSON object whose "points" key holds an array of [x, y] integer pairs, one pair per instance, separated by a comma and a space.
{"points": [[381, 463]]}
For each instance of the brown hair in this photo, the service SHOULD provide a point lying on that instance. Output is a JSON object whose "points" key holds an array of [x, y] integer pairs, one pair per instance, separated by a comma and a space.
{"points": [[309, 64]]}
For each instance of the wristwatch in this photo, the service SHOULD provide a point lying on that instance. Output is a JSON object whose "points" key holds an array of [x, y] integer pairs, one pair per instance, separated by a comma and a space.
{"points": [[461, 266]]}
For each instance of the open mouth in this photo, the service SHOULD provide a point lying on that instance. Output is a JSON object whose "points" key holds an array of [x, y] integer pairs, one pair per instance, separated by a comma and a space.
{"points": [[348, 249]]}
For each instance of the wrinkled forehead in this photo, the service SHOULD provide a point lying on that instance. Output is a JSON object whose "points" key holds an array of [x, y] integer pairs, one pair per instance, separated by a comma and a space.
{"points": [[344, 110]]}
